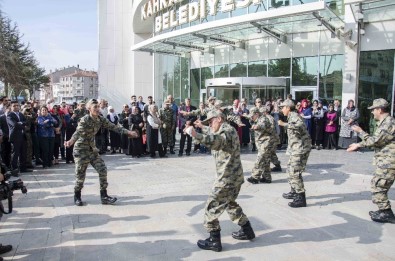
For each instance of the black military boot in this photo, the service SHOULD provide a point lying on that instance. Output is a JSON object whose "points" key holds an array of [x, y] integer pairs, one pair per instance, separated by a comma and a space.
{"points": [[211, 243], [172, 150], [4, 249], [106, 199], [253, 147], [245, 233], [77, 198], [277, 168], [299, 201], [383, 216], [290, 195], [253, 180], [264, 180]]}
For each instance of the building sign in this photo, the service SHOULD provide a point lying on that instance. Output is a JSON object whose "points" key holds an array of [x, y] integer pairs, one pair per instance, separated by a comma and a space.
{"points": [[165, 18]]}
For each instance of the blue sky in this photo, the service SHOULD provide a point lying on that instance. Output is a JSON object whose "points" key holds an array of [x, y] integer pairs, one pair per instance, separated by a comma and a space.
{"points": [[60, 32]]}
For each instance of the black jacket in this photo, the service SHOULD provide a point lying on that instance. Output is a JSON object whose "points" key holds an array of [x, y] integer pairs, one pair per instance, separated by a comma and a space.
{"points": [[16, 125]]}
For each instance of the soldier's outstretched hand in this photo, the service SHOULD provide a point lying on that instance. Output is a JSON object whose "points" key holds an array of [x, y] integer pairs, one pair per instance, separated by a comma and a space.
{"points": [[190, 131], [356, 128], [68, 143], [133, 134], [198, 124], [353, 147]]}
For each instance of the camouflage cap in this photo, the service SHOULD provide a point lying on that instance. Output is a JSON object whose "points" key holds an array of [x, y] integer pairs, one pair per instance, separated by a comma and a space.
{"points": [[379, 103], [211, 98], [254, 110], [263, 109], [219, 104], [212, 114], [167, 102], [287, 103], [82, 102]]}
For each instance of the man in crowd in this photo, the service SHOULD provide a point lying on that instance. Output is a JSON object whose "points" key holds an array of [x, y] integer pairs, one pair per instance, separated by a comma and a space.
{"points": [[140, 103], [166, 117], [16, 124], [299, 147], [383, 142], [174, 107], [184, 122]]}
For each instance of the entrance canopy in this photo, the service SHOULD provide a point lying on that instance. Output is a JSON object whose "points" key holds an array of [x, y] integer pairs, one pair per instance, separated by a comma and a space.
{"points": [[372, 10], [235, 31]]}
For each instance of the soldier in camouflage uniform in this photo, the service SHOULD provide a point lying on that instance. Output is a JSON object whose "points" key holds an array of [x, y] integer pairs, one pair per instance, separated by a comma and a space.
{"points": [[166, 115], [275, 141], [383, 142], [258, 104], [263, 138], [85, 151], [29, 143], [80, 112], [225, 147], [299, 147]]}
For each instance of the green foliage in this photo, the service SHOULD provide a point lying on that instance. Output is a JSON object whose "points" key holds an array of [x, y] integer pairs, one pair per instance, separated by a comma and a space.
{"points": [[18, 67]]}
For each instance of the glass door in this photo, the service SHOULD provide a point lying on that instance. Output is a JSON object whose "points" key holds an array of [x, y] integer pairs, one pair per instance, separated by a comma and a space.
{"points": [[304, 93]]}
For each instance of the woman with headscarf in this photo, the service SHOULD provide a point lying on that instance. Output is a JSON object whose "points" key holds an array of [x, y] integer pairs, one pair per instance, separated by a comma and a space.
{"points": [[124, 121], [318, 125], [153, 134], [136, 123], [330, 128], [349, 117], [115, 138], [306, 112]]}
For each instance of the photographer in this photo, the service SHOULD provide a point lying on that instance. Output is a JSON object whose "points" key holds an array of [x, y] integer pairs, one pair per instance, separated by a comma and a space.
{"points": [[3, 248]]}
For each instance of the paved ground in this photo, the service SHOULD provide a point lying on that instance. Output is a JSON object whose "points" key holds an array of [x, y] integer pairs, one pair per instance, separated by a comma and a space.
{"points": [[159, 215]]}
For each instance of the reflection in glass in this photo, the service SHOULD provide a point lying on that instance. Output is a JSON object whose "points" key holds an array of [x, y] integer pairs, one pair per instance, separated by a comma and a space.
{"points": [[221, 71], [238, 70], [207, 73], [304, 71], [227, 94], [195, 80], [331, 77], [257, 68], [376, 75], [279, 67]]}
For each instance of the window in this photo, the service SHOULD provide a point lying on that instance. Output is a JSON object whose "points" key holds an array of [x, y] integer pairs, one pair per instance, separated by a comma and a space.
{"points": [[304, 71], [279, 67], [331, 77], [238, 70], [257, 68]]}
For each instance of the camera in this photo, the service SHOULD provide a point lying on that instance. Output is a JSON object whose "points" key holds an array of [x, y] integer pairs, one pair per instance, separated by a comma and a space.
{"points": [[8, 186]]}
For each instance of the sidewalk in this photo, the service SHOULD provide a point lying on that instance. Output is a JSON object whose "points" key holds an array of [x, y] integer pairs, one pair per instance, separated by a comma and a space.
{"points": [[159, 213]]}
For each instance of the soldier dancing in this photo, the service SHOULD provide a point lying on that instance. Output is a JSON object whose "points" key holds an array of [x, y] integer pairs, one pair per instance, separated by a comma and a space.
{"points": [[225, 147], [383, 142], [299, 147], [85, 151], [166, 115], [263, 138]]}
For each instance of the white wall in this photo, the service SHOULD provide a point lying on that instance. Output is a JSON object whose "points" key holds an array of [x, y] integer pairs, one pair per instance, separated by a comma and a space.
{"points": [[121, 71]]}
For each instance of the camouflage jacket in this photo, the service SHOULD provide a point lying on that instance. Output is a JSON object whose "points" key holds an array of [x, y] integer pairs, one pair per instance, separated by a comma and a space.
{"points": [[166, 116], [225, 147], [79, 114], [230, 116], [299, 141], [275, 138], [383, 142], [88, 126], [264, 131]]}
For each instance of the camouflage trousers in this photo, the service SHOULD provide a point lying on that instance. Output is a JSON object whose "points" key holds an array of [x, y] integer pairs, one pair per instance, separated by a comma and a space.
{"points": [[29, 148], [273, 156], [252, 136], [82, 159], [296, 166], [262, 164], [380, 184], [167, 137], [222, 199]]}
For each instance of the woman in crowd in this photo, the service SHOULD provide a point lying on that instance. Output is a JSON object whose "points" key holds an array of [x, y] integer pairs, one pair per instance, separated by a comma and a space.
{"points": [[330, 128], [153, 133], [349, 117], [124, 121], [306, 112], [58, 132], [245, 130], [136, 123], [115, 138], [318, 125], [46, 136], [71, 126]]}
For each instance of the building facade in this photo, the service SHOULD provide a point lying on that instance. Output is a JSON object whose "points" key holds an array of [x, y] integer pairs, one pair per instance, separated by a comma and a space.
{"points": [[314, 49]]}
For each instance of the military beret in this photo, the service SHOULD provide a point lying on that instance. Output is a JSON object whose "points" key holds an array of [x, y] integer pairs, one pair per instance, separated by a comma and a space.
{"points": [[379, 103]]}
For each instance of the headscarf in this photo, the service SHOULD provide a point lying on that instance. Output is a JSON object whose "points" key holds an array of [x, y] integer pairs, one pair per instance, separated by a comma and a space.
{"points": [[112, 114]]}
